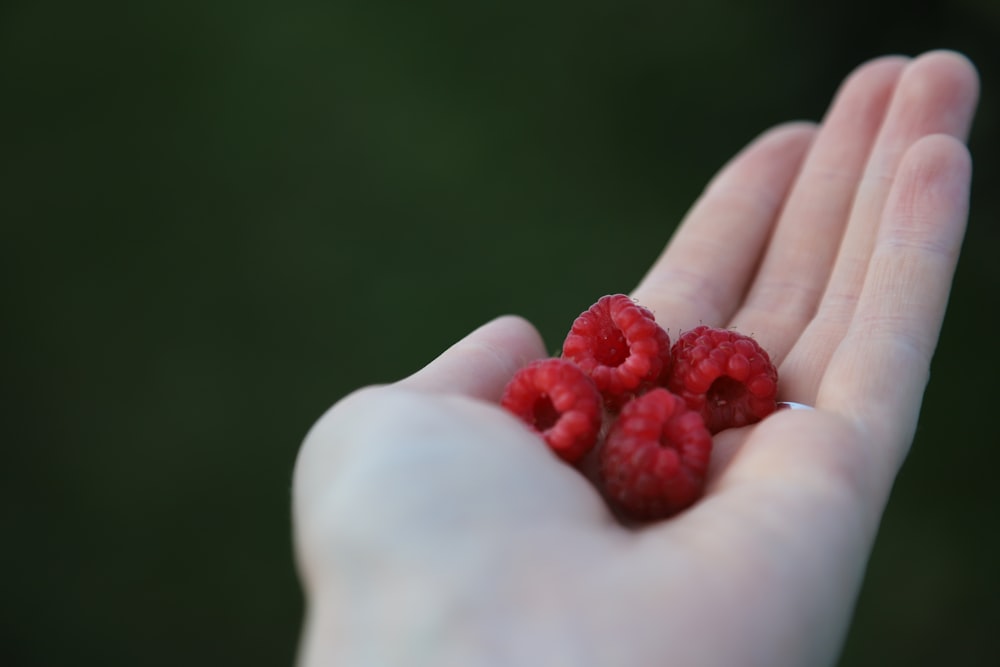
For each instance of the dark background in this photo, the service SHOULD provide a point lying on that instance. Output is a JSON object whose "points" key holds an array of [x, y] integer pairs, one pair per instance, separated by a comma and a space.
{"points": [[217, 218]]}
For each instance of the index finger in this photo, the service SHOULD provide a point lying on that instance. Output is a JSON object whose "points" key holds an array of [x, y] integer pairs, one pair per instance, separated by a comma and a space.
{"points": [[701, 276]]}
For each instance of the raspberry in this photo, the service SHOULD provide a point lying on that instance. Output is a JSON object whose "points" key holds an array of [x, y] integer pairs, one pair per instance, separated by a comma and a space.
{"points": [[654, 460], [723, 375], [560, 401], [619, 344]]}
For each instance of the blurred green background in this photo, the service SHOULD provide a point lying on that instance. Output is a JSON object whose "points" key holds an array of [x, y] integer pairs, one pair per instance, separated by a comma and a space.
{"points": [[217, 218]]}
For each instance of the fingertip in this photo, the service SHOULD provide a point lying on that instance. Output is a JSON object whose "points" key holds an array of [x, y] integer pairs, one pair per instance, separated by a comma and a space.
{"points": [[481, 364], [789, 140], [793, 130], [950, 64], [780, 143], [945, 153], [875, 74], [945, 82], [518, 330], [932, 188], [513, 338], [891, 64]]}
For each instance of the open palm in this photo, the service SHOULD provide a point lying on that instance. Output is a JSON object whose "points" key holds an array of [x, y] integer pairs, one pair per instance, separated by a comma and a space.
{"points": [[432, 529]]}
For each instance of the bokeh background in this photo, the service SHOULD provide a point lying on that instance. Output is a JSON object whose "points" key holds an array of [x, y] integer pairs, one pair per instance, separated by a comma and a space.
{"points": [[217, 218]]}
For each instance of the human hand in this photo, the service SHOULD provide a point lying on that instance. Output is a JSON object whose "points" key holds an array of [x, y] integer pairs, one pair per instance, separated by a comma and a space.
{"points": [[432, 528]]}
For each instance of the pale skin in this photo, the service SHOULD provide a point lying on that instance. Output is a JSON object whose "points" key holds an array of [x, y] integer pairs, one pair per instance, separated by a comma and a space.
{"points": [[432, 528]]}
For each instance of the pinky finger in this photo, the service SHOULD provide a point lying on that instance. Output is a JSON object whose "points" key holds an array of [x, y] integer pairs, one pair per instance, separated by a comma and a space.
{"points": [[879, 372]]}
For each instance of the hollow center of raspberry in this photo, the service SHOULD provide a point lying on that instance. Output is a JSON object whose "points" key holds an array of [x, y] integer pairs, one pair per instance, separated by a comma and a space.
{"points": [[725, 391], [612, 348], [544, 414]]}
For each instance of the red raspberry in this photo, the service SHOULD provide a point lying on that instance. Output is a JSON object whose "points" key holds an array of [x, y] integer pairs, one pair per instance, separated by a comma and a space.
{"points": [[619, 344], [558, 400], [654, 460], [725, 376]]}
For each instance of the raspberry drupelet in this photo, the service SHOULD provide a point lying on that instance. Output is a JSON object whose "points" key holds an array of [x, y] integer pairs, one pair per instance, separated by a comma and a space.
{"points": [[723, 375], [559, 401], [618, 343]]}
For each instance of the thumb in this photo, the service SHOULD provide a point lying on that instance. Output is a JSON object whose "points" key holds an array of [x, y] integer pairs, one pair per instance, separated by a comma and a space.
{"points": [[481, 364]]}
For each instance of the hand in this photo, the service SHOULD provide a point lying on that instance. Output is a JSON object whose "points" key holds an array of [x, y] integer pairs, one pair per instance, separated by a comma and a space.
{"points": [[431, 528]]}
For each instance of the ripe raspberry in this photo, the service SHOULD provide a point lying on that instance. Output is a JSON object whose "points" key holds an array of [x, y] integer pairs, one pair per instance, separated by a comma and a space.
{"points": [[559, 401], [619, 344], [725, 376], [654, 460]]}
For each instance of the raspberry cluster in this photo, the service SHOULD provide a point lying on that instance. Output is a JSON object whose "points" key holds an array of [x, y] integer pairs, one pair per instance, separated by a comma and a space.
{"points": [[646, 408]]}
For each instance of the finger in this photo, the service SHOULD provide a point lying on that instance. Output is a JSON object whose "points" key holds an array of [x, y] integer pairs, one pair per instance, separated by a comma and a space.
{"points": [[404, 471], [936, 94], [788, 521], [797, 265], [702, 273], [880, 370], [481, 364]]}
